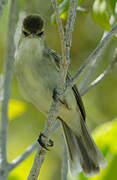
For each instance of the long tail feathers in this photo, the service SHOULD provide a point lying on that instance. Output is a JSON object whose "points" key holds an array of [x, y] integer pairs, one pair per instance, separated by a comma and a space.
{"points": [[83, 153]]}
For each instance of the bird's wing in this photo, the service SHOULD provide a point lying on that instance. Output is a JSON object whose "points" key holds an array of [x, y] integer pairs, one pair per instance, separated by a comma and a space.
{"points": [[57, 59]]}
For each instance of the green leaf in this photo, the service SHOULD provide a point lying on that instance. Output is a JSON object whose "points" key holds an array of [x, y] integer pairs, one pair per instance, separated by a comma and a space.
{"points": [[13, 178], [112, 4], [16, 108], [80, 2], [82, 10], [106, 137], [63, 10], [111, 171], [101, 15]]}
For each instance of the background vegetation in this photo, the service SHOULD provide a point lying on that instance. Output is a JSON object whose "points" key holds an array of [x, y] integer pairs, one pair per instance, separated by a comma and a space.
{"points": [[26, 122]]}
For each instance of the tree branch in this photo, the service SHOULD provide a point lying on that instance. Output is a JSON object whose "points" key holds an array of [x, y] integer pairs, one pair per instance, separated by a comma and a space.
{"points": [[101, 76], [70, 26], [91, 69], [9, 59], [94, 55], [64, 168], [22, 157], [1, 87], [63, 62]]}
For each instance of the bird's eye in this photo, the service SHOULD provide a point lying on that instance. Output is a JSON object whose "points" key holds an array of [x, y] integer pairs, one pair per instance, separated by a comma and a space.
{"points": [[25, 33], [40, 34]]}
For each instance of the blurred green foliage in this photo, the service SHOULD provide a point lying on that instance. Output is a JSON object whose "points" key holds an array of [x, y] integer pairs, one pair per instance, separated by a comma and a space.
{"points": [[63, 10], [103, 13], [100, 14], [100, 103]]}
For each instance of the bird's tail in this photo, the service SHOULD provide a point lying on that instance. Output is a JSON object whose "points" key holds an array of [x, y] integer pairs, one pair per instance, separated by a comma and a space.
{"points": [[83, 153]]}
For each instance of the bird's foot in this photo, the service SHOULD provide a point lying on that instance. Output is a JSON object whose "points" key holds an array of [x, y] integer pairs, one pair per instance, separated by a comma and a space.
{"points": [[56, 96], [42, 138]]}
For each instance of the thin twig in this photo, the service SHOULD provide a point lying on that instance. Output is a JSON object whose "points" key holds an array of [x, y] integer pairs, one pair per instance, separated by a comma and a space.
{"points": [[63, 63], [9, 59], [93, 65], [1, 87], [101, 76], [22, 157], [94, 55], [91, 70], [64, 168], [70, 25], [2, 5], [61, 29]]}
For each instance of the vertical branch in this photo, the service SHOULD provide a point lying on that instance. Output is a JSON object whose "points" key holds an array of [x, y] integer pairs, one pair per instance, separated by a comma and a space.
{"points": [[8, 69], [63, 62], [64, 168], [55, 107], [2, 5], [70, 26]]}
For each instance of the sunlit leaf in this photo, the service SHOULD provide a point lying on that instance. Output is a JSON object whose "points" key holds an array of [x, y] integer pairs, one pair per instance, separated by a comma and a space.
{"points": [[106, 137], [80, 2], [101, 15], [63, 9], [82, 10], [111, 170], [16, 108], [63, 15], [13, 178], [59, 1], [112, 4]]}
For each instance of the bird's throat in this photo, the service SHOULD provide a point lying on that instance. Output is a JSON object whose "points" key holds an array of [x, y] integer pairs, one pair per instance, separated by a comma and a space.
{"points": [[30, 49]]}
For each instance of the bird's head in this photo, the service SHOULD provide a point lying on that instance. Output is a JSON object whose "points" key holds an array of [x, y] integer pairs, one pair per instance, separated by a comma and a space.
{"points": [[33, 27]]}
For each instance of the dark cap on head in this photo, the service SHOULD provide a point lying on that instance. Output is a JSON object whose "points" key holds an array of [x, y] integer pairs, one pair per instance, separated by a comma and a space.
{"points": [[33, 23]]}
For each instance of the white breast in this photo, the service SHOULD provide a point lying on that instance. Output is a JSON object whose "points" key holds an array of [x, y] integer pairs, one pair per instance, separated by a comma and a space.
{"points": [[36, 76]]}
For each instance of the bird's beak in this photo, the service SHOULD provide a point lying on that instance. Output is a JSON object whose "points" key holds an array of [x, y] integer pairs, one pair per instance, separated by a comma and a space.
{"points": [[33, 35]]}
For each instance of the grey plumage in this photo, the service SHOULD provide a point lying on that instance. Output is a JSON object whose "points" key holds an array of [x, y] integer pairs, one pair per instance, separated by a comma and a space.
{"points": [[37, 71]]}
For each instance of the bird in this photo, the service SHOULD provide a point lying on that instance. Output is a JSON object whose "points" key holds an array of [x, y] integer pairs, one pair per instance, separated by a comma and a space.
{"points": [[37, 69]]}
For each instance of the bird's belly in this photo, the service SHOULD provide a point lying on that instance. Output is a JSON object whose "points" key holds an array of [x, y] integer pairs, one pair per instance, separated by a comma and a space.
{"points": [[37, 82]]}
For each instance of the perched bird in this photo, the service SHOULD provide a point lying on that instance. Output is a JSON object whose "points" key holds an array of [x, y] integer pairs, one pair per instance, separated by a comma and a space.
{"points": [[37, 69]]}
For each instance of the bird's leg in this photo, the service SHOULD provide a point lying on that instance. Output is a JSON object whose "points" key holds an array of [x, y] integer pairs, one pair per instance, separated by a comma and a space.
{"points": [[42, 138]]}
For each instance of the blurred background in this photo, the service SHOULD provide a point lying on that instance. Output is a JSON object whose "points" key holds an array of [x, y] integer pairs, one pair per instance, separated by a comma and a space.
{"points": [[26, 122]]}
